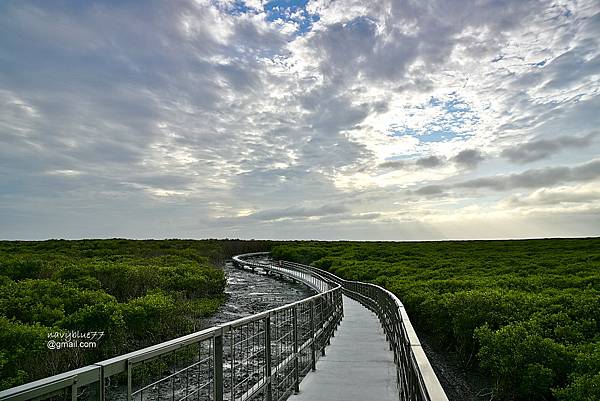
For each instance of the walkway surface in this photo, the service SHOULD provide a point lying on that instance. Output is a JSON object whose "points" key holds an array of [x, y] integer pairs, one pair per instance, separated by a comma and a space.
{"points": [[358, 365]]}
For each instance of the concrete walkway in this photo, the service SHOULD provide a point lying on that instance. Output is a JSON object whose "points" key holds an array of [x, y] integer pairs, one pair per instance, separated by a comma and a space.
{"points": [[358, 365]]}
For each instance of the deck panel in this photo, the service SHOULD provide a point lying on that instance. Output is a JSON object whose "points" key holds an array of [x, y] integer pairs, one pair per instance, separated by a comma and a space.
{"points": [[358, 366]]}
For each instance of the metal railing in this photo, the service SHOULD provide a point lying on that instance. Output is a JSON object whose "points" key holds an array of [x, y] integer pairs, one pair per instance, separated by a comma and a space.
{"points": [[263, 356], [416, 379]]}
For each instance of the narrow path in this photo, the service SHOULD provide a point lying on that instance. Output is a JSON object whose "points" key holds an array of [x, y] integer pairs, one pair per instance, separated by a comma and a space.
{"points": [[358, 365]]}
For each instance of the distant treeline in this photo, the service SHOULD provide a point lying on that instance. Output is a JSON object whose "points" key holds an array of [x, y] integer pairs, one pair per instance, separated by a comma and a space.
{"points": [[137, 292], [526, 313]]}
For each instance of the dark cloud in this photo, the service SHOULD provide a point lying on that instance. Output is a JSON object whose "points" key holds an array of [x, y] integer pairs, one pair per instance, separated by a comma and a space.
{"points": [[429, 162], [554, 197], [335, 114], [543, 148], [530, 179], [290, 213], [430, 190], [536, 178], [469, 158], [394, 164], [420, 163]]}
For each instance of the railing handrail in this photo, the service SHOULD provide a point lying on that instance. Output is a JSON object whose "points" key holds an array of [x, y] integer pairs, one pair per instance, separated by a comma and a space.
{"points": [[96, 372]]}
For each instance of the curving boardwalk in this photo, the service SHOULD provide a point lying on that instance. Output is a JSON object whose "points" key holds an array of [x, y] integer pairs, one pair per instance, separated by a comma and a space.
{"points": [[358, 364]]}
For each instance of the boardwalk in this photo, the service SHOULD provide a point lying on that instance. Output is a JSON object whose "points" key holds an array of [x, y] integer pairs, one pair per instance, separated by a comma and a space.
{"points": [[358, 365]]}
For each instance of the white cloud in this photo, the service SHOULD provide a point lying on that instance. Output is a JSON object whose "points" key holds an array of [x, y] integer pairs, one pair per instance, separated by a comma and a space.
{"points": [[197, 108]]}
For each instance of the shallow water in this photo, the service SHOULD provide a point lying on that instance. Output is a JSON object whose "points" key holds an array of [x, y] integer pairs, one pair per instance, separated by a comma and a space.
{"points": [[249, 293]]}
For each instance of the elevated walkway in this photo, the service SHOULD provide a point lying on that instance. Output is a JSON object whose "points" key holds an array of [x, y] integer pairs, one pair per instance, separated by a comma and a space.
{"points": [[270, 355], [358, 364]]}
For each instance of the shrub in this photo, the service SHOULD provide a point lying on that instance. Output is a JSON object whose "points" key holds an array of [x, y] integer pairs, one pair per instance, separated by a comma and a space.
{"points": [[137, 292], [520, 311]]}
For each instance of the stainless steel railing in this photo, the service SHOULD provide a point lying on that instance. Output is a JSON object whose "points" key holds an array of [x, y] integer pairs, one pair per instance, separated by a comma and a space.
{"points": [[263, 356]]}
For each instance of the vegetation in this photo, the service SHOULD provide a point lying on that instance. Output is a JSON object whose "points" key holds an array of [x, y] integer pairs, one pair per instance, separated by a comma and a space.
{"points": [[525, 312], [137, 292]]}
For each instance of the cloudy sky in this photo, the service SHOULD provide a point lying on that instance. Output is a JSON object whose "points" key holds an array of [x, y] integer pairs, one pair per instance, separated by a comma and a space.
{"points": [[357, 119]]}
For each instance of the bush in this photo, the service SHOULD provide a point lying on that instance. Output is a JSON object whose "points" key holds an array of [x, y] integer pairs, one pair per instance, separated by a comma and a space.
{"points": [[585, 379], [23, 351], [137, 292], [522, 363], [20, 268], [521, 312], [154, 315]]}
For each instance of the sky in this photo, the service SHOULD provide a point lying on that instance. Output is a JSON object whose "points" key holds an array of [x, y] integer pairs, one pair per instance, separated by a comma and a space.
{"points": [[296, 119]]}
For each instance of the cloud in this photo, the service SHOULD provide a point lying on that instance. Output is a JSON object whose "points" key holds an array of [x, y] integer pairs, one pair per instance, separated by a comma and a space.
{"points": [[291, 212], [530, 179], [429, 162], [537, 178], [585, 194], [468, 158], [295, 213], [394, 164], [430, 190], [118, 119], [542, 148]]}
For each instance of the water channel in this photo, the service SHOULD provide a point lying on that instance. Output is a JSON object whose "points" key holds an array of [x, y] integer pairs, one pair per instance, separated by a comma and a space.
{"points": [[248, 293]]}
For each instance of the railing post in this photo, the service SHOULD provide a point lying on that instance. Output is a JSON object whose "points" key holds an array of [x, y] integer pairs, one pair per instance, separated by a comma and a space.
{"points": [[268, 357], [129, 380], [333, 314], [323, 325], [313, 356], [218, 366], [97, 388], [232, 356], [322, 322], [296, 363], [340, 301]]}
